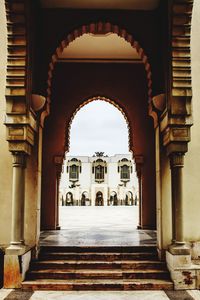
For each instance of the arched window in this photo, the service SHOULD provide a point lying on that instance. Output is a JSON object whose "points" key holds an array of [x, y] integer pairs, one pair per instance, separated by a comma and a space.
{"points": [[125, 172], [73, 172], [125, 168], [99, 172], [74, 168], [99, 169]]}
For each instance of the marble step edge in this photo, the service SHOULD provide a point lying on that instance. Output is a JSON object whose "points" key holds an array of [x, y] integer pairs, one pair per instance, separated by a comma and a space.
{"points": [[92, 271], [98, 258], [99, 253], [98, 276], [98, 262], [99, 249], [117, 284]]}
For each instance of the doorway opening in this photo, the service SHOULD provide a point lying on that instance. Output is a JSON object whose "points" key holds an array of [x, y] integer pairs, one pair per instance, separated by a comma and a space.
{"points": [[99, 199], [101, 187]]}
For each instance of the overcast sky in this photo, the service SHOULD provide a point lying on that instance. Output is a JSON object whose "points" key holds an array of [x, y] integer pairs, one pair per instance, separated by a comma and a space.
{"points": [[98, 126]]}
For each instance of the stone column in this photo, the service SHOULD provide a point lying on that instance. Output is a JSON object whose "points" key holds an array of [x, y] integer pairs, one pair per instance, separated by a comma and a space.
{"points": [[139, 175], [18, 191], [58, 160], [139, 160], [57, 200], [176, 164]]}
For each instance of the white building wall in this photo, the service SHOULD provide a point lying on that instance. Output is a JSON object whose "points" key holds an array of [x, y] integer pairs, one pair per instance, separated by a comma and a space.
{"points": [[86, 183]]}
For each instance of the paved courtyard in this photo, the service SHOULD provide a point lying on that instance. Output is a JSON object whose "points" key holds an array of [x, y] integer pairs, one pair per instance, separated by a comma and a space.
{"points": [[99, 226], [106, 226]]}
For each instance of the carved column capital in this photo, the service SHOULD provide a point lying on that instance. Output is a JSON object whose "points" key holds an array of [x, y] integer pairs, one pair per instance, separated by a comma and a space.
{"points": [[177, 160], [19, 159], [20, 132]]}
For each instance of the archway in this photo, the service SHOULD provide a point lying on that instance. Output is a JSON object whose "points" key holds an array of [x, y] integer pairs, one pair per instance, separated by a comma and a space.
{"points": [[129, 198], [113, 198], [85, 201], [69, 199], [178, 92], [100, 28], [99, 172], [124, 100], [99, 201]]}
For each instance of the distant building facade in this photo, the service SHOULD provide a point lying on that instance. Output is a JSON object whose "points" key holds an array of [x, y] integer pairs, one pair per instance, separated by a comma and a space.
{"points": [[99, 180]]}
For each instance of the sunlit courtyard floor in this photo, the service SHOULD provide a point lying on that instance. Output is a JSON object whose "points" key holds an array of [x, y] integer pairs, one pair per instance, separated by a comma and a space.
{"points": [[98, 226]]}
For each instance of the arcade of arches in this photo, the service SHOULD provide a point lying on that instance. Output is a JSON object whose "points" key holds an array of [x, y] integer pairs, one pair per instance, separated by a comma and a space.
{"points": [[145, 71]]}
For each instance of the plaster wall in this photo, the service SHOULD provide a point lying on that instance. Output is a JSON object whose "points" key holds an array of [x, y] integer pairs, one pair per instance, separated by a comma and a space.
{"points": [[192, 158], [85, 180], [5, 157], [113, 180]]}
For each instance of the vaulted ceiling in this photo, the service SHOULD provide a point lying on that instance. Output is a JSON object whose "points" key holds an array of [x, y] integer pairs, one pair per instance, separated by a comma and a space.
{"points": [[99, 47]]}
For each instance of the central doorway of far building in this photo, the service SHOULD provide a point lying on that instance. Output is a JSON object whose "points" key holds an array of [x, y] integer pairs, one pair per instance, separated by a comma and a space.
{"points": [[99, 199]]}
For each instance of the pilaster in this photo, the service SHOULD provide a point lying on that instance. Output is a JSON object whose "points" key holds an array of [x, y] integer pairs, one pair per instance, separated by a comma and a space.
{"points": [[58, 160], [139, 161]]}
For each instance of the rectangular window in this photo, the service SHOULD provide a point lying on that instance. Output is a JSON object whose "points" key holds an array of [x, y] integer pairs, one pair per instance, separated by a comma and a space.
{"points": [[73, 172], [99, 173], [125, 172]]}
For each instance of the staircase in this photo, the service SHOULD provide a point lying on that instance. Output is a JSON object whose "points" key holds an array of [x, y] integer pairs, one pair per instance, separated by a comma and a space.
{"points": [[97, 268]]}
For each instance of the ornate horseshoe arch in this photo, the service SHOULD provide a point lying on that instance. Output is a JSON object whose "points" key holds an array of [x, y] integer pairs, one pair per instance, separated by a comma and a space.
{"points": [[96, 28]]}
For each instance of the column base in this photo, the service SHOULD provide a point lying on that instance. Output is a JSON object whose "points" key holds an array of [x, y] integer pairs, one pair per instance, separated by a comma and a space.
{"points": [[179, 249], [183, 273], [15, 267], [16, 249]]}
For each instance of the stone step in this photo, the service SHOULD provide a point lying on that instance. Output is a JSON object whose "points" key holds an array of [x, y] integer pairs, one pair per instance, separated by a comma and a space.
{"points": [[112, 285], [97, 274], [98, 249], [94, 264], [97, 256]]}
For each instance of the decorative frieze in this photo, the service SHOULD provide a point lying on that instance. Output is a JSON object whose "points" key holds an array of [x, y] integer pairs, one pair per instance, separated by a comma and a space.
{"points": [[176, 120], [180, 41], [20, 119]]}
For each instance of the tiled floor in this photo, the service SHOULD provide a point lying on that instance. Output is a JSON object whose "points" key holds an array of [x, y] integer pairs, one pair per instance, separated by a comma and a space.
{"points": [[99, 226]]}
